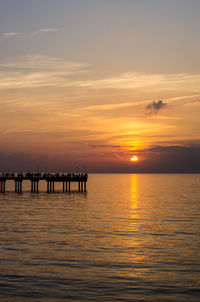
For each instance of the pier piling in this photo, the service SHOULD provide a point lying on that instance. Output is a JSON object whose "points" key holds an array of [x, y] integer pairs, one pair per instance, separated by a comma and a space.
{"points": [[3, 186]]}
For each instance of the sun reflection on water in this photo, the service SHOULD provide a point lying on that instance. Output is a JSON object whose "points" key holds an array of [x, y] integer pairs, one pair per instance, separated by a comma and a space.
{"points": [[134, 190], [134, 244], [134, 198]]}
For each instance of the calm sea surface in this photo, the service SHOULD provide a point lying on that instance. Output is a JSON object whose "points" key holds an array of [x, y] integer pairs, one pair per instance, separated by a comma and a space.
{"points": [[129, 238]]}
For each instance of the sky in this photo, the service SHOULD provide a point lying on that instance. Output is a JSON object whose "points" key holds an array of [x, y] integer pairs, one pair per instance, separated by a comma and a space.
{"points": [[87, 84]]}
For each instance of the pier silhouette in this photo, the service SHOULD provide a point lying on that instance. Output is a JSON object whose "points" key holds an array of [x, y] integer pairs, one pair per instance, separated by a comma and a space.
{"points": [[51, 179]]}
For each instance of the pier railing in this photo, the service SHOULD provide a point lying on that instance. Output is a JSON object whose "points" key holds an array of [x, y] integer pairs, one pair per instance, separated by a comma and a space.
{"points": [[51, 178]]}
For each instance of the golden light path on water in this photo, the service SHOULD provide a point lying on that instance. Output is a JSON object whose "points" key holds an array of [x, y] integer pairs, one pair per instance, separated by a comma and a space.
{"points": [[134, 244], [134, 206]]}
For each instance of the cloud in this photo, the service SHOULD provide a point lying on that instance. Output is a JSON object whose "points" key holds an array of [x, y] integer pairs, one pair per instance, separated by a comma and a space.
{"points": [[105, 146], [154, 107], [126, 80], [155, 159], [171, 159], [11, 34], [41, 31], [137, 80], [36, 62], [108, 106], [44, 31], [15, 161], [26, 162], [33, 71]]}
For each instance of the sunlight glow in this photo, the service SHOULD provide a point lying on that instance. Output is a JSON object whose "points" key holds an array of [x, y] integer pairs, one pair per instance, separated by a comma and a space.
{"points": [[134, 158]]}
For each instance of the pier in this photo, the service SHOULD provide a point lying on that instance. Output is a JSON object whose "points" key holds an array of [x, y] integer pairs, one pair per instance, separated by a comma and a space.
{"points": [[51, 179]]}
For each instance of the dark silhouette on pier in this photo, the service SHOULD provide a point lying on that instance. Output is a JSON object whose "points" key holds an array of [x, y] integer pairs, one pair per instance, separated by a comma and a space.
{"points": [[51, 179]]}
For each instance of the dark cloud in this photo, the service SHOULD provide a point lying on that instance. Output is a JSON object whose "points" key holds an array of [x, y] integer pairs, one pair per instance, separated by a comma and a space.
{"points": [[22, 162], [105, 146], [155, 107], [171, 159], [156, 159], [15, 162]]}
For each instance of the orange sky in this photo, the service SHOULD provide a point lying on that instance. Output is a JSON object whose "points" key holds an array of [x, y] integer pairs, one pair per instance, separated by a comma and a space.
{"points": [[88, 108]]}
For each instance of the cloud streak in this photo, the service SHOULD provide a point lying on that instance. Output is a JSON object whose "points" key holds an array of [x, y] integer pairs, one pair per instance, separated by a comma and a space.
{"points": [[108, 106], [138, 80], [11, 34], [44, 31], [40, 71], [34, 71]]}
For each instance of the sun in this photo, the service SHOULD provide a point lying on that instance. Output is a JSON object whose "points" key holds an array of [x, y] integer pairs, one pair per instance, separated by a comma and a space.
{"points": [[134, 158]]}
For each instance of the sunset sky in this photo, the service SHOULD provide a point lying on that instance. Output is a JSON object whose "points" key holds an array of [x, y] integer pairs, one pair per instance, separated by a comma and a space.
{"points": [[91, 83]]}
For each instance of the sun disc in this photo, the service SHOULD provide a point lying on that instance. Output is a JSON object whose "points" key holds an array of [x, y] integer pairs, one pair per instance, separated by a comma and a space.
{"points": [[134, 158]]}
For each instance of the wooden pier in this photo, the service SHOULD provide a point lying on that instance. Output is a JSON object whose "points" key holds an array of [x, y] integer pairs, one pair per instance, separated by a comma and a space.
{"points": [[50, 178]]}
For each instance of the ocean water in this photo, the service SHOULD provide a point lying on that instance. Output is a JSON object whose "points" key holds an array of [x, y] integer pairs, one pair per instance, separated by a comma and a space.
{"points": [[128, 238]]}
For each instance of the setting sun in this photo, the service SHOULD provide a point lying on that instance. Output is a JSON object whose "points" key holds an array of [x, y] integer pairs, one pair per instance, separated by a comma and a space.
{"points": [[134, 158]]}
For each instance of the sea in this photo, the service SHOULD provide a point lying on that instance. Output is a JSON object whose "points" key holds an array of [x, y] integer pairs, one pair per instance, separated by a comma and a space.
{"points": [[130, 237]]}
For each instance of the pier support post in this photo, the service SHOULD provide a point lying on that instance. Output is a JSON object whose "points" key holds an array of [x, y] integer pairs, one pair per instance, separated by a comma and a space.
{"points": [[18, 186], [3, 186]]}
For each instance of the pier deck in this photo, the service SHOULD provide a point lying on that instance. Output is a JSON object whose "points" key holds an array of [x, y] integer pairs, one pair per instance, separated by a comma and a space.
{"points": [[51, 178]]}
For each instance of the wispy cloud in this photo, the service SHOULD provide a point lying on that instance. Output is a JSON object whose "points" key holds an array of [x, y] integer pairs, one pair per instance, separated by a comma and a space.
{"points": [[138, 80], [11, 34], [33, 62], [108, 106], [37, 71], [35, 33], [124, 81], [44, 31]]}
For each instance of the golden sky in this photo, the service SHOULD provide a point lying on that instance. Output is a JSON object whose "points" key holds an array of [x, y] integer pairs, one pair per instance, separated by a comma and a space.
{"points": [[93, 84]]}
